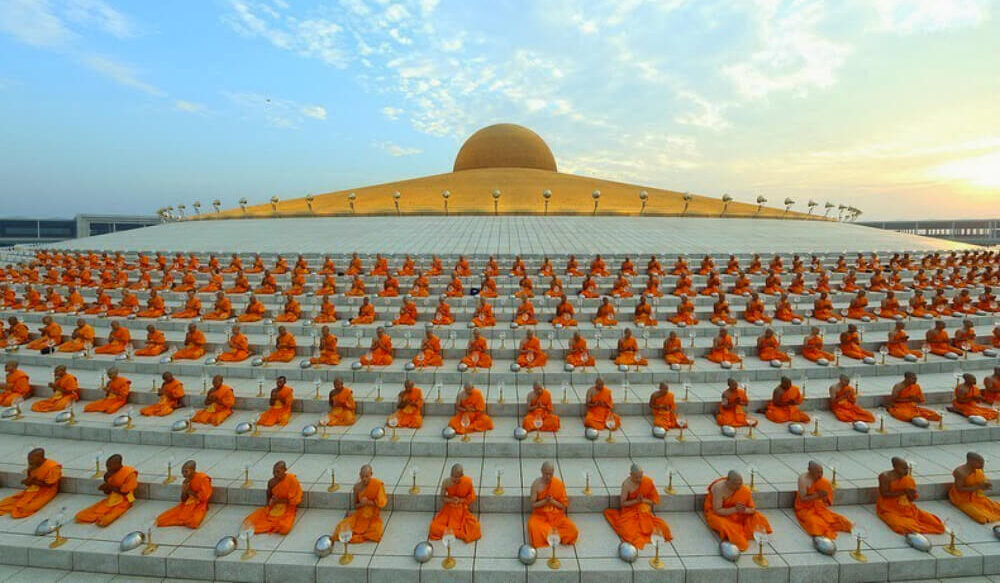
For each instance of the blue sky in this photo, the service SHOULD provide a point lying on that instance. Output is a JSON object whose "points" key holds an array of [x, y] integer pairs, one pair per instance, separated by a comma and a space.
{"points": [[888, 105]]}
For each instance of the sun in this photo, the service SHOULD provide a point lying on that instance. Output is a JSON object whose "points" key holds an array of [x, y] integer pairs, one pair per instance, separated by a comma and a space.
{"points": [[978, 171]]}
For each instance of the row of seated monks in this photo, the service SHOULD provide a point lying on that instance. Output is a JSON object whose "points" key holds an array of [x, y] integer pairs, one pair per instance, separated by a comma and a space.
{"points": [[729, 505], [904, 402]]}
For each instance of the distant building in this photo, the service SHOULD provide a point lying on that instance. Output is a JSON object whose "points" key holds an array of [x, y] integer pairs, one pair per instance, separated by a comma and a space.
{"points": [[17, 230], [973, 231]]}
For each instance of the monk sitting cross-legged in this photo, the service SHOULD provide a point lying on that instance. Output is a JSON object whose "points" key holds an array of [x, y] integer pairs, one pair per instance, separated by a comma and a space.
{"points": [[470, 412], [784, 403], [564, 313], [254, 311], [457, 494], [600, 408], [812, 505], [442, 314], [896, 345], [279, 405], [291, 312], [477, 353], [663, 407], [430, 353], [904, 400], [407, 314], [328, 353], [284, 347], [410, 406], [368, 498], [192, 307], [342, 406], [239, 347], [673, 352], [65, 391], [483, 317], [731, 405], [41, 484], [939, 343], [530, 353], [897, 493], [82, 338], [380, 352], [171, 393], [605, 314], [969, 491], [968, 400], [643, 314], [579, 354], [844, 402], [194, 344], [525, 315], [812, 347], [222, 310], [218, 403], [541, 414], [730, 511], [769, 347], [284, 494], [722, 348], [965, 338], [196, 490], [366, 313], [685, 313], [549, 504], [120, 482], [634, 521], [118, 339], [628, 351], [850, 344], [116, 393]]}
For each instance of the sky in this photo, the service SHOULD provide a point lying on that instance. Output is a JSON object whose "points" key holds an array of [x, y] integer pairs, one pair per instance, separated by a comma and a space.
{"points": [[892, 106]]}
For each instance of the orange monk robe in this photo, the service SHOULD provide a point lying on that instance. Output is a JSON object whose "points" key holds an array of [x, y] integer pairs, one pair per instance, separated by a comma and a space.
{"points": [[103, 513], [812, 349], [620, 289], [600, 410], [525, 315], [365, 523], [241, 285], [606, 315], [636, 524], [532, 355], [976, 503], [354, 267], [734, 415], [171, 394], [816, 517], [327, 351], [407, 315], [902, 515], [673, 353], [644, 315], [291, 313], [628, 353], [284, 349], [844, 406], [456, 516], [755, 312], [970, 406], [280, 410], [722, 350], [442, 316], [540, 407], [783, 312], [906, 411], [51, 336], [939, 343], [380, 354], [823, 310], [194, 346], [82, 337], [117, 341], [579, 354], [548, 518], [239, 349], [192, 510], [156, 344], [192, 307], [73, 303], [118, 390], [327, 313], [965, 339], [16, 336], [897, 345], [484, 317], [850, 346], [477, 355], [768, 349], [665, 415], [279, 516], [735, 528], [223, 310], [685, 313], [890, 309], [410, 415], [34, 497], [430, 353], [478, 419], [788, 408], [328, 287], [66, 391], [342, 408], [220, 409], [154, 308], [564, 315], [366, 315], [214, 284]]}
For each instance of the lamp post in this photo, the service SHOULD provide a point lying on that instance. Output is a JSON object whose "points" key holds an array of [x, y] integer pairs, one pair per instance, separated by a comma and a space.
{"points": [[243, 205], [761, 201], [726, 199], [274, 204], [596, 195], [788, 205], [546, 195], [445, 195], [197, 207], [309, 202], [643, 198], [180, 209], [687, 197], [828, 206], [395, 201], [840, 212], [496, 201], [217, 205], [350, 201], [812, 204]]}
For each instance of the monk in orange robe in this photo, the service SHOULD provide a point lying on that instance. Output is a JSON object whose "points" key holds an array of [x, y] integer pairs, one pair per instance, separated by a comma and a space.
{"points": [[81, 338], [241, 284], [969, 491], [381, 352], [769, 347], [896, 346], [754, 311], [579, 355], [430, 353], [968, 399], [156, 343], [442, 314], [720, 312], [239, 347], [844, 402], [284, 347], [407, 314], [354, 267], [784, 404], [51, 335], [41, 484], [541, 414], [116, 393], [731, 513], [196, 490], [470, 412], [812, 347], [254, 311], [525, 315], [812, 505], [965, 338], [823, 308], [222, 310], [477, 353], [564, 313], [685, 313], [120, 482], [65, 391], [410, 406], [904, 400], [368, 498], [897, 493], [483, 317], [279, 405], [457, 494], [722, 348], [991, 386], [549, 504], [381, 267], [673, 351], [342, 406], [328, 353], [643, 314], [938, 342], [16, 335], [366, 313], [605, 315], [218, 404], [634, 521], [192, 307], [118, 339], [170, 394], [327, 312], [530, 354], [284, 494], [850, 344], [155, 306], [194, 344], [731, 407], [628, 351], [291, 312], [663, 407], [600, 408]]}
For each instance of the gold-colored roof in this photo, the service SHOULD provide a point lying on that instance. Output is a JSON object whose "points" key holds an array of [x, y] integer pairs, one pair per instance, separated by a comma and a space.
{"points": [[505, 145]]}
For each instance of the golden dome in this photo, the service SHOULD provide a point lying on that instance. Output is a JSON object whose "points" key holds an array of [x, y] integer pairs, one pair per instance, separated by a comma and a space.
{"points": [[505, 145]]}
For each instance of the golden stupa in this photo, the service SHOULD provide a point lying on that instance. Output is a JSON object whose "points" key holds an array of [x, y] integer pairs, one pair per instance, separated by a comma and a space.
{"points": [[505, 169]]}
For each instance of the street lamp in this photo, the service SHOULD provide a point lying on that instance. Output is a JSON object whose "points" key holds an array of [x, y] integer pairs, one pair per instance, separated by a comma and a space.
{"points": [[788, 204], [395, 201], [180, 209], [197, 207], [643, 197], [687, 197], [350, 200], [547, 195], [597, 197], [217, 205], [726, 199], [243, 205], [761, 201], [445, 195], [274, 204], [309, 202], [828, 206], [496, 201], [812, 204]]}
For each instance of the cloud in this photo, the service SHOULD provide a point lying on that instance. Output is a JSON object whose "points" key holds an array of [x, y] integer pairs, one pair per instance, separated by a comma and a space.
{"points": [[313, 37], [392, 113], [120, 73], [396, 150], [189, 106], [919, 16], [100, 14], [33, 22], [277, 112], [705, 114], [313, 111]]}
